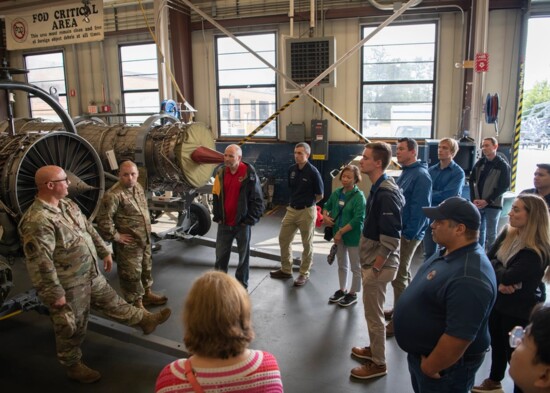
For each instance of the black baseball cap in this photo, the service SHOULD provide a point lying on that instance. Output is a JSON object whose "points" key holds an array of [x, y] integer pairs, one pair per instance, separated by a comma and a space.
{"points": [[457, 209]]}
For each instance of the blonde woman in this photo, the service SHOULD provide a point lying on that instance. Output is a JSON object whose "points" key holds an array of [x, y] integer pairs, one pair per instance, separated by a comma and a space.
{"points": [[520, 257], [217, 331]]}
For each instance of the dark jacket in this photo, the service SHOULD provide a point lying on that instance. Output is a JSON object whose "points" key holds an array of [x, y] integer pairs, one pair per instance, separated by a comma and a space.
{"points": [[251, 199], [496, 183], [524, 269], [382, 229]]}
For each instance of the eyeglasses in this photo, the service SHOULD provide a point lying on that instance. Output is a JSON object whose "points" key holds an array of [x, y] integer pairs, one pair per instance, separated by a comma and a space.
{"points": [[516, 336], [59, 180]]}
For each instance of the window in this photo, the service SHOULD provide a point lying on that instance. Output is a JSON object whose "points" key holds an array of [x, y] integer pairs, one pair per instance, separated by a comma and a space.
{"points": [[398, 81], [243, 81], [140, 86], [46, 71]]}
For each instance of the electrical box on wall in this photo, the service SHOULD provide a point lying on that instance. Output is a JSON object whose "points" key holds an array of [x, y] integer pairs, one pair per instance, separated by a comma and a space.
{"points": [[319, 139], [296, 132]]}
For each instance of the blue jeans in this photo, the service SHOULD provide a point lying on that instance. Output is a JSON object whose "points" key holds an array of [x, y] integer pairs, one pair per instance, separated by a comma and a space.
{"points": [[459, 378], [224, 242], [488, 228]]}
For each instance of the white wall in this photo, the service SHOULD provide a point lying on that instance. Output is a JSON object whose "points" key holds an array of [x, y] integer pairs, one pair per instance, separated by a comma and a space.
{"points": [[344, 99], [93, 66]]}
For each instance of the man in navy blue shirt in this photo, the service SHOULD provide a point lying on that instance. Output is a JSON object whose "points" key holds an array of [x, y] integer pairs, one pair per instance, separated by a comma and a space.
{"points": [[306, 189], [441, 319]]}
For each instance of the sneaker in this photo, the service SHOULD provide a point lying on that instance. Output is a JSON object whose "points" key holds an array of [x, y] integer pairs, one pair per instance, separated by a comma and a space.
{"points": [[301, 280], [280, 274], [362, 352], [332, 254], [348, 300], [388, 314], [389, 329], [369, 370], [338, 295], [488, 385]]}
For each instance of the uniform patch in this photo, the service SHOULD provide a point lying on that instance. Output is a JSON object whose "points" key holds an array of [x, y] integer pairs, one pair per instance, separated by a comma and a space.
{"points": [[431, 275]]}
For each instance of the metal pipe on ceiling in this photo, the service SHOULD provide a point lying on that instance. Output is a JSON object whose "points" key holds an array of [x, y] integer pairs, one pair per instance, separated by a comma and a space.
{"points": [[392, 5]]}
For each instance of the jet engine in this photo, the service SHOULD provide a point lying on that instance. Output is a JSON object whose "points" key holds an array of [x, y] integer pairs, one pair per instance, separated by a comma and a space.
{"points": [[168, 152], [170, 155]]}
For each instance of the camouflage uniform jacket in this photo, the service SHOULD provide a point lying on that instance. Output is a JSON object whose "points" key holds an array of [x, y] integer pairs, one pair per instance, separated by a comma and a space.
{"points": [[61, 248], [125, 210]]}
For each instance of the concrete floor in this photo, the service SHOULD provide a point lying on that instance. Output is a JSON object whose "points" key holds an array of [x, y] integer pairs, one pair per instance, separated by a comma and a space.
{"points": [[310, 338]]}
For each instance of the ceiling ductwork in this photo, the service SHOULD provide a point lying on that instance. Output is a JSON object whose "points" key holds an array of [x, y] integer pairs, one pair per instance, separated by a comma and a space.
{"points": [[391, 5]]}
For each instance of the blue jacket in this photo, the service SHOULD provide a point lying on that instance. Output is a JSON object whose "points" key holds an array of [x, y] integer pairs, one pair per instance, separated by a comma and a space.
{"points": [[416, 185], [446, 182]]}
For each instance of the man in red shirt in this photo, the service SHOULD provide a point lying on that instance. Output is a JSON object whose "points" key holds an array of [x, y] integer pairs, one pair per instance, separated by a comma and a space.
{"points": [[237, 205]]}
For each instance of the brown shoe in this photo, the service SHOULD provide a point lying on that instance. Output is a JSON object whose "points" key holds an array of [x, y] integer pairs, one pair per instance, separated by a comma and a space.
{"points": [[389, 329], [139, 304], [150, 321], [369, 370], [280, 274], [153, 299], [82, 373], [301, 280], [488, 386], [388, 314], [362, 352]]}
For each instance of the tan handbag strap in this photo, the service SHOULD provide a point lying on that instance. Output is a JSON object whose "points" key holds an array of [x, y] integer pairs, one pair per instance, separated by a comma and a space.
{"points": [[190, 375]]}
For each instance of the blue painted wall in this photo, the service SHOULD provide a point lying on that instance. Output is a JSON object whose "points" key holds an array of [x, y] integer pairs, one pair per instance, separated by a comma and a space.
{"points": [[272, 161]]}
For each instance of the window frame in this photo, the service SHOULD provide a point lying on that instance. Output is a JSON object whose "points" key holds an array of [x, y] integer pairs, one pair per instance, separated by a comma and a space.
{"points": [[229, 114], [390, 82], [124, 91], [30, 96]]}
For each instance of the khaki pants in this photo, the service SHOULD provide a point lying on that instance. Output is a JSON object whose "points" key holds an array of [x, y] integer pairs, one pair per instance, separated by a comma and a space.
{"points": [[294, 220], [374, 296], [403, 278]]}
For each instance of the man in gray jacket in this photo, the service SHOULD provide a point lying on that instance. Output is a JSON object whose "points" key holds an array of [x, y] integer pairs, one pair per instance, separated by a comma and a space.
{"points": [[489, 180]]}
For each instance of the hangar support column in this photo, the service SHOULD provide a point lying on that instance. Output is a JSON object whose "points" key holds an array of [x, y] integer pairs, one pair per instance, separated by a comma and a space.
{"points": [[474, 81], [180, 40]]}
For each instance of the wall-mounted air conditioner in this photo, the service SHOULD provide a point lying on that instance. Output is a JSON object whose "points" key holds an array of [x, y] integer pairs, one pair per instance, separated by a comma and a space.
{"points": [[306, 58]]}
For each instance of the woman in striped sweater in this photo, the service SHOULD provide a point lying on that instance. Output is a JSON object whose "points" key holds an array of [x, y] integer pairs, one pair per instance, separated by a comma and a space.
{"points": [[218, 329]]}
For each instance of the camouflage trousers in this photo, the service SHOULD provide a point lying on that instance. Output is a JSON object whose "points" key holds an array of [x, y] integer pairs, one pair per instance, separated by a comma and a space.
{"points": [[134, 265], [70, 322]]}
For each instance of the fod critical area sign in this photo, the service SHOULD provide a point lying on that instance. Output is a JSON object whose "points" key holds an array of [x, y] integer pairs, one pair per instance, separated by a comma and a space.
{"points": [[70, 23]]}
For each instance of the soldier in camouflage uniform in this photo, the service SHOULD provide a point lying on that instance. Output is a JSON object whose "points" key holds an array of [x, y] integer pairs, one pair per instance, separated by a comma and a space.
{"points": [[124, 219], [62, 249]]}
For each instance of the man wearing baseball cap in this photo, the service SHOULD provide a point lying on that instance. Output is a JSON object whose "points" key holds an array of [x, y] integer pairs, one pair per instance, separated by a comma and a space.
{"points": [[441, 318]]}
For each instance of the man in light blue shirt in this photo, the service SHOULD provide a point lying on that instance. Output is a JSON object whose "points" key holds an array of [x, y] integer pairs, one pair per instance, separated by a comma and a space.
{"points": [[447, 181]]}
